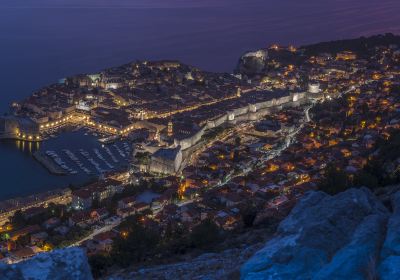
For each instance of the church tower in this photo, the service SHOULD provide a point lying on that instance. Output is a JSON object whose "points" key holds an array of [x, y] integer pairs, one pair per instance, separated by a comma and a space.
{"points": [[238, 92], [170, 128]]}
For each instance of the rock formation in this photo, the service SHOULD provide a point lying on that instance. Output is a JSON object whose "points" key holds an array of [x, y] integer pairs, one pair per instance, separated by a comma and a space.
{"points": [[347, 236], [390, 254], [70, 263], [252, 63]]}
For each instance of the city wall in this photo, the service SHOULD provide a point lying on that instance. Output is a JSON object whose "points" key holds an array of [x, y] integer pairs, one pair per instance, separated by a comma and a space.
{"points": [[251, 112]]}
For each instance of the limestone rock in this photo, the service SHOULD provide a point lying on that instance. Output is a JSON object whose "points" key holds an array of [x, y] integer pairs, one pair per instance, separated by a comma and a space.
{"points": [[357, 260], [390, 255], [252, 63], [70, 263], [319, 227]]}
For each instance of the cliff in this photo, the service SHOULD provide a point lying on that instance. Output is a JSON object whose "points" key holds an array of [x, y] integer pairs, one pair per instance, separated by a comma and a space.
{"points": [[347, 236], [62, 264]]}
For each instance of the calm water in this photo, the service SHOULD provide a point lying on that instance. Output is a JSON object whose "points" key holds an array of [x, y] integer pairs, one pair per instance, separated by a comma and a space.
{"points": [[44, 40]]}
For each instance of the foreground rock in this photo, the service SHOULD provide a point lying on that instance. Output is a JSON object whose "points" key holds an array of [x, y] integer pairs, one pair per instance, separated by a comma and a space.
{"points": [[211, 266], [328, 237], [390, 254], [63, 264]]}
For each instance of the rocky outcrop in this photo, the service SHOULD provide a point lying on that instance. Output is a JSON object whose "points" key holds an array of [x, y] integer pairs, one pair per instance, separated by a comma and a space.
{"points": [[357, 259], [211, 266], [331, 237], [390, 254], [252, 63], [63, 264]]}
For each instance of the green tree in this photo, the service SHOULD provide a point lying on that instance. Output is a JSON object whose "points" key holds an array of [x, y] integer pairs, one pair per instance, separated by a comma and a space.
{"points": [[99, 264], [205, 234], [138, 244], [334, 181], [249, 215], [238, 140], [366, 179], [18, 220], [23, 240], [175, 239]]}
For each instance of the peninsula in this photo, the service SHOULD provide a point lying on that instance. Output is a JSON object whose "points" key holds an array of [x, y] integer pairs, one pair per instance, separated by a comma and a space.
{"points": [[211, 155]]}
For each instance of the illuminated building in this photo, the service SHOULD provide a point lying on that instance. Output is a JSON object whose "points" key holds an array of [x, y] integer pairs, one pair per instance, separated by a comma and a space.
{"points": [[314, 88], [346, 55], [166, 161], [170, 128]]}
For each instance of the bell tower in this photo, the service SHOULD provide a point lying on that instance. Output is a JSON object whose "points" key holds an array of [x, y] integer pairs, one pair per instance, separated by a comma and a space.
{"points": [[238, 92], [170, 128]]}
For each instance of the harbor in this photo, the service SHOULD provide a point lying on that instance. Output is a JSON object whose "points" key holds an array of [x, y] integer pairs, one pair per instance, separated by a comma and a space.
{"points": [[48, 163], [94, 161], [72, 157]]}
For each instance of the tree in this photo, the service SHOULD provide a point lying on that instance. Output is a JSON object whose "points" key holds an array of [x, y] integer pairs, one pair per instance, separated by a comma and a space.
{"points": [[175, 239], [137, 244], [238, 141], [99, 265], [366, 179], [205, 234], [334, 181], [23, 240], [96, 203], [249, 215], [18, 220]]}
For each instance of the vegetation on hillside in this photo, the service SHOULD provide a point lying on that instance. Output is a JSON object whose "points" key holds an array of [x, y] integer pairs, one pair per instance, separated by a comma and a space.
{"points": [[381, 170]]}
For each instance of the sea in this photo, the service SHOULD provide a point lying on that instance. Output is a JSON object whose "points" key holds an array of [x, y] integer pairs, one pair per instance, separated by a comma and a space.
{"points": [[42, 41]]}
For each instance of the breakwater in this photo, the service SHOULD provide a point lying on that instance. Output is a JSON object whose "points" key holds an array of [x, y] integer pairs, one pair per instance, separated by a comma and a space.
{"points": [[48, 163]]}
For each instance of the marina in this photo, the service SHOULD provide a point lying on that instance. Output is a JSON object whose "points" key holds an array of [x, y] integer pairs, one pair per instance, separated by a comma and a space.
{"points": [[96, 151], [121, 153], [64, 150], [97, 161], [48, 163], [92, 161], [56, 158], [75, 159], [108, 151], [89, 160]]}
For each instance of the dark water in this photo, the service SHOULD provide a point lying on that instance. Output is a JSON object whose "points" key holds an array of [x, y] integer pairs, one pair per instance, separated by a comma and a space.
{"points": [[24, 175], [44, 40]]}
